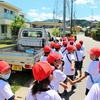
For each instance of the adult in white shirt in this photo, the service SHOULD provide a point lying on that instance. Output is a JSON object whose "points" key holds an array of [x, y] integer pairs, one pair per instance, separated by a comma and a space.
{"points": [[94, 93], [42, 72]]}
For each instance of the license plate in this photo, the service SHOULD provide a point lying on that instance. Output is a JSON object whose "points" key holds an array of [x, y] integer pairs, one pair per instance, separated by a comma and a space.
{"points": [[17, 67]]}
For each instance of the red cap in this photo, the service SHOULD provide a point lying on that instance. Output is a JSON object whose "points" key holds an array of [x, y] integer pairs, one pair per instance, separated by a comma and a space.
{"points": [[61, 39], [57, 45], [71, 42], [72, 39], [70, 48], [65, 43], [3, 65], [47, 48], [68, 38], [81, 42], [95, 51], [78, 45], [53, 56], [52, 44], [65, 39], [42, 70]]}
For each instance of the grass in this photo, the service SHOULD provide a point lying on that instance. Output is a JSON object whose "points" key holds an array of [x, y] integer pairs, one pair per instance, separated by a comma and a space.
{"points": [[6, 45], [18, 79]]}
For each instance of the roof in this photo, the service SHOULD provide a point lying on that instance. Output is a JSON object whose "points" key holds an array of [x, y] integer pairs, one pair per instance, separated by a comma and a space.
{"points": [[47, 23], [9, 5]]}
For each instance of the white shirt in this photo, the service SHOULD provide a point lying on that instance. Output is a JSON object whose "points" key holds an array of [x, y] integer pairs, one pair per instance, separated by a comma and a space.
{"points": [[52, 49], [64, 50], [94, 93], [5, 90], [82, 47], [68, 65], [94, 71], [43, 58], [58, 76], [59, 52], [47, 95], [80, 55], [29, 95]]}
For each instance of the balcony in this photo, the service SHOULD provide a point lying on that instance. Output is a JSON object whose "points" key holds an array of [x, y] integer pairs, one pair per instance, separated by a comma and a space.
{"points": [[10, 17]]}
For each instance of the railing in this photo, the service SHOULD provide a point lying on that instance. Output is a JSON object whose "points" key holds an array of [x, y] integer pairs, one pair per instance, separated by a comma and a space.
{"points": [[7, 40], [11, 17]]}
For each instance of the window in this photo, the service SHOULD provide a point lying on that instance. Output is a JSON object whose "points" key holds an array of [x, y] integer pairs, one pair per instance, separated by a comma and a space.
{"points": [[6, 10], [25, 34], [32, 33], [3, 28], [11, 12], [35, 33]]}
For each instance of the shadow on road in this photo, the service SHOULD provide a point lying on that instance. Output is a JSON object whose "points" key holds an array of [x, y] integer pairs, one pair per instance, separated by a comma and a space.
{"points": [[66, 97]]}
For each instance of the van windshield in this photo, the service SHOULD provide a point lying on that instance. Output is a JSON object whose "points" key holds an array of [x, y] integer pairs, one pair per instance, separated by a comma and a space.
{"points": [[28, 33]]}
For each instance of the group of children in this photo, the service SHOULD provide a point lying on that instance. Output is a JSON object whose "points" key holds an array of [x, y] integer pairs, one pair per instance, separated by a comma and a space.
{"points": [[60, 64], [62, 56]]}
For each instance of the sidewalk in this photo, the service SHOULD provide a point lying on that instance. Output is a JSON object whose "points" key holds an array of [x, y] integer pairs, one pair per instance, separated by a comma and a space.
{"points": [[21, 93]]}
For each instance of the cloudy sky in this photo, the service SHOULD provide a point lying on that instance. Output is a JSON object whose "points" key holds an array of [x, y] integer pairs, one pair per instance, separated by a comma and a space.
{"points": [[39, 10]]}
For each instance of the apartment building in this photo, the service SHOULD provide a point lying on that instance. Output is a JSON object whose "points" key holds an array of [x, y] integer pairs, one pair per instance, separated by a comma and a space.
{"points": [[7, 12]]}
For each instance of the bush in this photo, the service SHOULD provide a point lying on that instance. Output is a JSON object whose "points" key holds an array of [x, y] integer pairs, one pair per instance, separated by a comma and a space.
{"points": [[87, 32], [67, 33], [96, 35]]}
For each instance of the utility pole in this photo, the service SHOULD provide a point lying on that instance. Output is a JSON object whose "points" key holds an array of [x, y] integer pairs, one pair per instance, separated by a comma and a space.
{"points": [[71, 20], [64, 18]]}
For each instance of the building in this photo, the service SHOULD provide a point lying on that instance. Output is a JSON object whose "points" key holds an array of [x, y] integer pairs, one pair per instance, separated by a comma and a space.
{"points": [[7, 12]]}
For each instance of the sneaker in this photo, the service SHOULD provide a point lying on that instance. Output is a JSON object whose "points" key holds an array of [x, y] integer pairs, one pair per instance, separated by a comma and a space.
{"points": [[65, 92]]}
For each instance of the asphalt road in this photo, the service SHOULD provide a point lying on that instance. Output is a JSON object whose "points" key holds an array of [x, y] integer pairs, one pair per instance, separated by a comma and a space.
{"points": [[79, 92]]}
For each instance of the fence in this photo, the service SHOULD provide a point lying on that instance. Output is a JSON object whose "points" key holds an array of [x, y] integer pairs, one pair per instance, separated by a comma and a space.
{"points": [[6, 40]]}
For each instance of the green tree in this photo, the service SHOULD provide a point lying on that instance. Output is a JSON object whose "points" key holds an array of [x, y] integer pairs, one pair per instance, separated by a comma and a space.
{"points": [[98, 25], [56, 32], [16, 25]]}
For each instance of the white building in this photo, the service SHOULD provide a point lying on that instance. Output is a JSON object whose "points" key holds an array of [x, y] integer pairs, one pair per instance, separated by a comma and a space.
{"points": [[7, 12]]}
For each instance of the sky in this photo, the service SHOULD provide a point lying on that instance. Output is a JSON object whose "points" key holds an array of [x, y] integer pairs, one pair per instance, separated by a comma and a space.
{"points": [[39, 10]]}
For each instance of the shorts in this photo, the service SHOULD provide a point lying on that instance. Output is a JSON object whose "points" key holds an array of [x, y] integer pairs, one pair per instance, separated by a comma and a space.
{"points": [[87, 91], [78, 65], [71, 77]]}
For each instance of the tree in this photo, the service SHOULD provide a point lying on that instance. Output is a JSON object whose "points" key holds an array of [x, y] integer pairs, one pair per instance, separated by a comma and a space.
{"points": [[16, 25], [56, 32]]}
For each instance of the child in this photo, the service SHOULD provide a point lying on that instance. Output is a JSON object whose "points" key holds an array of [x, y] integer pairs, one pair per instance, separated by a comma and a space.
{"points": [[93, 69], [5, 90], [52, 45], [82, 45], [94, 93], [69, 63], [63, 48], [79, 57], [58, 76], [46, 50], [42, 72]]}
